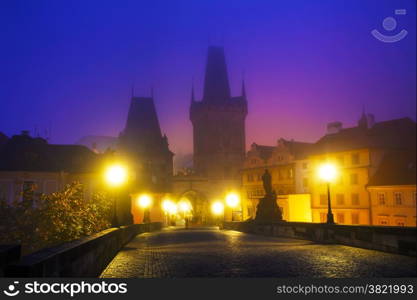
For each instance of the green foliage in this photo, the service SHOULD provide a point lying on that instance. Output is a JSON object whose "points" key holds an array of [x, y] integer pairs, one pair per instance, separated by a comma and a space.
{"points": [[42, 220]]}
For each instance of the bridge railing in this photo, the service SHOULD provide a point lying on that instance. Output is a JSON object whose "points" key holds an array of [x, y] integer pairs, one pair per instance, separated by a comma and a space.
{"points": [[399, 240], [85, 257]]}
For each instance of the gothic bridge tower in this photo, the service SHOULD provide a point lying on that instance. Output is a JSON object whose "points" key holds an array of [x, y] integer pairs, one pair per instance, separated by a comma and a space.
{"points": [[218, 123]]}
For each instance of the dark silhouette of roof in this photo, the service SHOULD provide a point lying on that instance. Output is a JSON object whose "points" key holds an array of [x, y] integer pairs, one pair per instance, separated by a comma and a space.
{"points": [[142, 133], [216, 82], [265, 152], [3, 139], [24, 153], [299, 150], [392, 134], [396, 168]]}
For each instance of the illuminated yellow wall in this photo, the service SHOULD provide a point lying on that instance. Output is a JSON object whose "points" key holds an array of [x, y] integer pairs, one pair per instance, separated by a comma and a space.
{"points": [[299, 208], [349, 196]]}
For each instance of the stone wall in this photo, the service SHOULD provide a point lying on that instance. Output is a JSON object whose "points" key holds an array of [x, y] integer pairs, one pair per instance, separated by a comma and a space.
{"points": [[8, 254], [86, 257], [400, 240]]}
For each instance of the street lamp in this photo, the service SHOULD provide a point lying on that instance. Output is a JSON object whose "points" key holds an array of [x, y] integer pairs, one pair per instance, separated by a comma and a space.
{"points": [[115, 176], [170, 208], [217, 208], [328, 172], [232, 200], [185, 207], [145, 202]]}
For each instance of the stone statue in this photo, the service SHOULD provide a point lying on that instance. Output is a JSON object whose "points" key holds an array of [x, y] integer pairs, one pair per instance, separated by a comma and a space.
{"points": [[268, 209], [267, 182]]}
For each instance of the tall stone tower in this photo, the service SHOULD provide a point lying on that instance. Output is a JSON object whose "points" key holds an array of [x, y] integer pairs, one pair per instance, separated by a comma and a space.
{"points": [[145, 146], [218, 123]]}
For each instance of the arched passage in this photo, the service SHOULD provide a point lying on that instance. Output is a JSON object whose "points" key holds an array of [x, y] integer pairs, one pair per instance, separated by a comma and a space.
{"points": [[199, 204]]}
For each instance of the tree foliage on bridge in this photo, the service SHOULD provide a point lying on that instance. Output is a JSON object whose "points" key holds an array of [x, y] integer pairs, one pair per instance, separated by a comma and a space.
{"points": [[42, 220]]}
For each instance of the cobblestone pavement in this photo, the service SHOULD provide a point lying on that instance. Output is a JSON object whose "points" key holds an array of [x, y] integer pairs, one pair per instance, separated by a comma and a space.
{"points": [[177, 253]]}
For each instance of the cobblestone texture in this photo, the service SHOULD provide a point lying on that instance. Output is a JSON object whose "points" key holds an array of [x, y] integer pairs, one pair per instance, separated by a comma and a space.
{"points": [[178, 253]]}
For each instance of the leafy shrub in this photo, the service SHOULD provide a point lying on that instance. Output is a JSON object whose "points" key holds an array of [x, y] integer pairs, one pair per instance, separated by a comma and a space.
{"points": [[43, 220]]}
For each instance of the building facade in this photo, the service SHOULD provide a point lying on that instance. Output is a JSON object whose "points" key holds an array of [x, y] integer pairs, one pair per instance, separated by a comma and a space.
{"points": [[358, 152], [31, 164], [392, 191], [287, 165]]}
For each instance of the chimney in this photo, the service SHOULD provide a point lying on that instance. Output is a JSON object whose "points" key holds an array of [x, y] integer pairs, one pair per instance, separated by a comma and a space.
{"points": [[334, 127]]}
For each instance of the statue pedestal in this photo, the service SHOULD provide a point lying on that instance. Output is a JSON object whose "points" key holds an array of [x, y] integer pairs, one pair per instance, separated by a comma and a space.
{"points": [[268, 209]]}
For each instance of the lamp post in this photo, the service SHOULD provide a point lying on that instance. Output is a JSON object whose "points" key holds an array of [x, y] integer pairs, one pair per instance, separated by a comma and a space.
{"points": [[327, 172], [145, 202], [115, 176], [217, 208], [232, 200], [169, 208], [185, 207]]}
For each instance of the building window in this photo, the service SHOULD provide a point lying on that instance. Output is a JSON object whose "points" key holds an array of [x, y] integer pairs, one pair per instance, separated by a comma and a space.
{"points": [[340, 218], [280, 175], [323, 199], [355, 159], [250, 177], [323, 217], [381, 198], [305, 166], [340, 199], [259, 177], [355, 218], [355, 198], [341, 160], [400, 221], [398, 197], [305, 182], [353, 179], [383, 220]]}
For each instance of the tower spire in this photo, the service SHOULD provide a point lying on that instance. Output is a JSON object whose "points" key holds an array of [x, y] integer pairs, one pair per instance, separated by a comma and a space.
{"points": [[216, 81]]}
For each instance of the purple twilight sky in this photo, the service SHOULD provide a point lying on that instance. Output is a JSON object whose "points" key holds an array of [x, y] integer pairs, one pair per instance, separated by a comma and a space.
{"points": [[70, 65]]}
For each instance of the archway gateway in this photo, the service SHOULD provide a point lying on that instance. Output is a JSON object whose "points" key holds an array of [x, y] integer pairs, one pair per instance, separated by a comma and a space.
{"points": [[200, 208]]}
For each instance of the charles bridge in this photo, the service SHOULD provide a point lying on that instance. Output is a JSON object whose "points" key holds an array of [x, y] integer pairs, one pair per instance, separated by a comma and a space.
{"points": [[237, 249]]}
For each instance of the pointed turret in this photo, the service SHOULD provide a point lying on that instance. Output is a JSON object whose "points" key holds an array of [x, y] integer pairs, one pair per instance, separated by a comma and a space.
{"points": [[142, 125], [216, 82], [243, 89]]}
